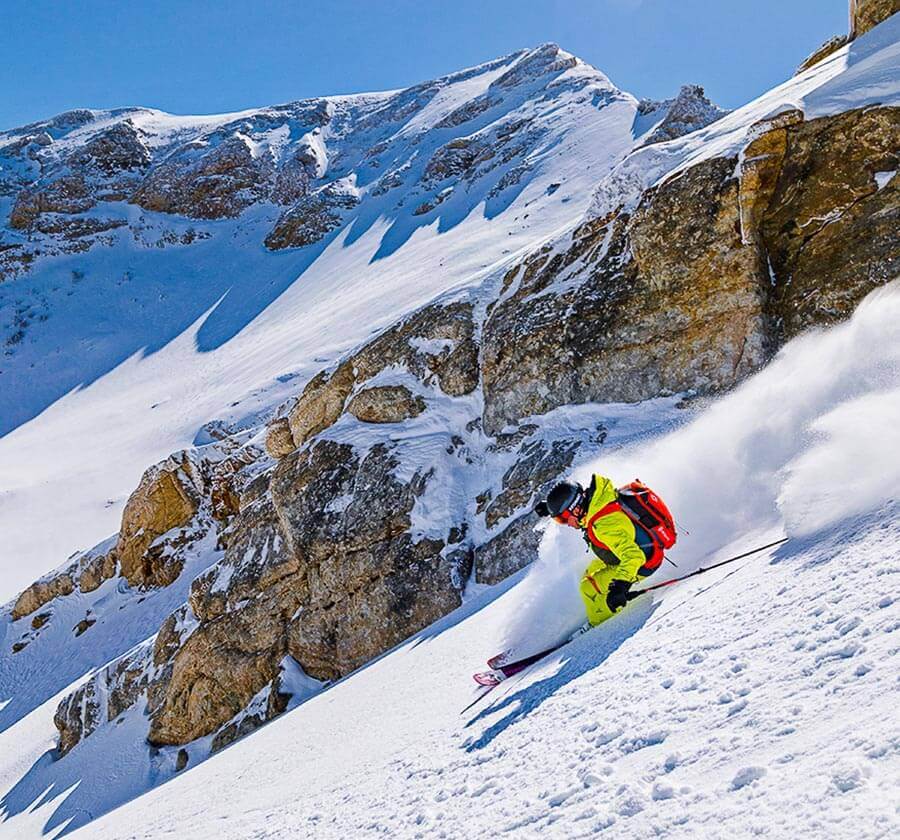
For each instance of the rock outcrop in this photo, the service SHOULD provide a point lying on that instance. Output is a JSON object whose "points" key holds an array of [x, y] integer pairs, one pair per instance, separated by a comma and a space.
{"points": [[385, 404], [85, 573], [866, 14], [330, 586], [687, 112], [436, 345], [832, 45], [709, 274], [166, 499], [312, 218], [830, 226]]}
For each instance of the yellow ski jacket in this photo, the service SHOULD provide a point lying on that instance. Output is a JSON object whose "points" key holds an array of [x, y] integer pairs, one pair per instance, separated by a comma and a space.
{"points": [[610, 533]]}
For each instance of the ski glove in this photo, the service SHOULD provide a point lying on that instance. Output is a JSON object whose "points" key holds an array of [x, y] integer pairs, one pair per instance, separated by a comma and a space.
{"points": [[541, 509], [617, 596]]}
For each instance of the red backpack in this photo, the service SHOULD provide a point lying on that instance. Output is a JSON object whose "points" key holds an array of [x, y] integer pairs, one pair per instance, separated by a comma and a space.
{"points": [[645, 508]]}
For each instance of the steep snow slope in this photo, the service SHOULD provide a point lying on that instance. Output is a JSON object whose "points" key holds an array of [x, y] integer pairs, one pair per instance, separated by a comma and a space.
{"points": [[139, 346], [757, 699]]}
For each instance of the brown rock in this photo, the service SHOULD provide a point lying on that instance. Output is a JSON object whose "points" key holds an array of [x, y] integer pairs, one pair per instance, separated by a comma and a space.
{"points": [[69, 194], [40, 620], [761, 165], [832, 45], [435, 344], [538, 465], [83, 625], [829, 230], [385, 404], [96, 569], [165, 499], [279, 441], [42, 592], [684, 310], [312, 218], [79, 715], [333, 587], [206, 182], [867, 14], [321, 403], [116, 149]]}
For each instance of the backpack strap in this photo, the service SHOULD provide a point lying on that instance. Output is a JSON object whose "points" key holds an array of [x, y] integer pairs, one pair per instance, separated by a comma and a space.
{"points": [[612, 507]]}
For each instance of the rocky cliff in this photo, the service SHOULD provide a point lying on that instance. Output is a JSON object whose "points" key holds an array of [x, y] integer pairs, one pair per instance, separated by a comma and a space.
{"points": [[360, 510], [866, 14]]}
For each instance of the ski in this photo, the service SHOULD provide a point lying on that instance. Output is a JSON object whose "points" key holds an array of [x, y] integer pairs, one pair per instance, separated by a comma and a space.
{"points": [[499, 660]]}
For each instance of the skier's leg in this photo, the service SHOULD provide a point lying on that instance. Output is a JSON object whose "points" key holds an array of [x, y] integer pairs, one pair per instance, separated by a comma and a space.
{"points": [[594, 589]]}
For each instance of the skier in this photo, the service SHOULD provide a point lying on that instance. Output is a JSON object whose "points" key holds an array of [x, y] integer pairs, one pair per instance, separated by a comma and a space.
{"points": [[627, 529]]}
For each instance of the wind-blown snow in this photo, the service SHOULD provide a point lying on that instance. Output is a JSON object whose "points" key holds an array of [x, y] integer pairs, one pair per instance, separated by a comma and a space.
{"points": [[806, 444]]}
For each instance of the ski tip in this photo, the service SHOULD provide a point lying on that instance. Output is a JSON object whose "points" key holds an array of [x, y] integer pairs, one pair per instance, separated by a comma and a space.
{"points": [[500, 659], [487, 678]]}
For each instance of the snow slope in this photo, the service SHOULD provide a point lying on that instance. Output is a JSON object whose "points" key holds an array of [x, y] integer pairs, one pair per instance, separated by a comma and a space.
{"points": [[755, 700]]}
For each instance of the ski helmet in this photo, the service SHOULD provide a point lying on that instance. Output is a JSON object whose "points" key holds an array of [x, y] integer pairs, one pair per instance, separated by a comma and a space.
{"points": [[563, 496]]}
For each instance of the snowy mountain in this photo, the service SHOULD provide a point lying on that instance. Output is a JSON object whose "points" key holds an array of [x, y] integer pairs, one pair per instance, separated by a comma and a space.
{"points": [[149, 273], [298, 375]]}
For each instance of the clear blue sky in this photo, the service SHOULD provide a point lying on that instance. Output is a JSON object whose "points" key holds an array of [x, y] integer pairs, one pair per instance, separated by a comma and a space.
{"points": [[208, 56]]}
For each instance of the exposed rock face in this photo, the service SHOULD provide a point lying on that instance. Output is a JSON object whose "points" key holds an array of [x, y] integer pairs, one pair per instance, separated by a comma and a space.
{"points": [[662, 302], [547, 58], [279, 440], [867, 14], [385, 404], [42, 592], [679, 295], [830, 46], [332, 587], [103, 697], [830, 228], [687, 112], [119, 148], [312, 218], [211, 185], [167, 498], [86, 574], [68, 195], [436, 345], [96, 569]]}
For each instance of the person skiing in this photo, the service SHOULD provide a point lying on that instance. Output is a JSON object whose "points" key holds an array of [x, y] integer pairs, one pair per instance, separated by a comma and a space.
{"points": [[627, 529]]}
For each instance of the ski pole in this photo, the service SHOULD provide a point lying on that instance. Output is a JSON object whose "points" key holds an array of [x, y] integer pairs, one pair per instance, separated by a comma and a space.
{"points": [[638, 592]]}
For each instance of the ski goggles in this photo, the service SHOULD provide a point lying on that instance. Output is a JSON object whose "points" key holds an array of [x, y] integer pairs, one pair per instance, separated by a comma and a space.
{"points": [[568, 518]]}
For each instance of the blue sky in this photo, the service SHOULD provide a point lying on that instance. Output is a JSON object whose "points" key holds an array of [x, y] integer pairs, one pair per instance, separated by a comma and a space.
{"points": [[208, 56]]}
